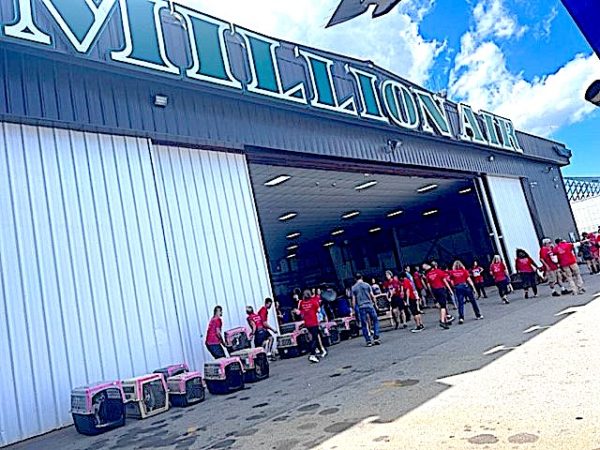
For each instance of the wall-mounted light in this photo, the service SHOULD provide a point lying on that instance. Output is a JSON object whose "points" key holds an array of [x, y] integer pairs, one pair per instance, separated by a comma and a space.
{"points": [[394, 145], [161, 101], [491, 158]]}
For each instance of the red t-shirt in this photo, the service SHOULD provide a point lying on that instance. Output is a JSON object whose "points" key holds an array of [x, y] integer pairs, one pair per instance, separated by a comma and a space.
{"points": [[459, 276], [394, 287], [477, 273], [498, 271], [546, 254], [409, 289], [264, 314], [524, 265], [309, 309], [418, 281], [256, 320], [214, 328], [566, 254], [435, 278]]}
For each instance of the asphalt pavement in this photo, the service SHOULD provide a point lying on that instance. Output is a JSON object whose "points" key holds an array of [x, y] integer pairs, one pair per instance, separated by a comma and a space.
{"points": [[359, 397]]}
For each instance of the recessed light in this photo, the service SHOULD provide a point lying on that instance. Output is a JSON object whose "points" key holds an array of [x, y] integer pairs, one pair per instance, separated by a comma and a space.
{"points": [[350, 215], [277, 180], [395, 213], [367, 185], [429, 187], [288, 216], [293, 235], [337, 232], [431, 213], [328, 244], [292, 248], [293, 255], [465, 191], [375, 230]]}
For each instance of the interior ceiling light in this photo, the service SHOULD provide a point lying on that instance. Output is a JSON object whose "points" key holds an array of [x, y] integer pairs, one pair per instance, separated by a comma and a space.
{"points": [[277, 180], [328, 244], [293, 235], [465, 191], [288, 216], [350, 215], [293, 255], [292, 248], [337, 232], [395, 213], [429, 187], [367, 185], [375, 230], [431, 213]]}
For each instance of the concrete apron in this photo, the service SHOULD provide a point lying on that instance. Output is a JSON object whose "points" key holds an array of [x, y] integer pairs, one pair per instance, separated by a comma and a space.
{"points": [[544, 394]]}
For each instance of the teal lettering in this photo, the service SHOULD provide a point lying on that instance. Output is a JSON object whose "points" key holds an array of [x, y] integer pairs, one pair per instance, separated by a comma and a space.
{"points": [[367, 89], [469, 123], [400, 104], [490, 129], [433, 113]]}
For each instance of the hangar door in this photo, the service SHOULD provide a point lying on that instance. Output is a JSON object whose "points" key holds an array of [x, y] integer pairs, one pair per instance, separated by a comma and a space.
{"points": [[513, 217]]}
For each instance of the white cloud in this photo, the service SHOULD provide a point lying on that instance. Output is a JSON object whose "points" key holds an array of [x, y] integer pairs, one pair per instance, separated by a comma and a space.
{"points": [[494, 20], [393, 42], [481, 78]]}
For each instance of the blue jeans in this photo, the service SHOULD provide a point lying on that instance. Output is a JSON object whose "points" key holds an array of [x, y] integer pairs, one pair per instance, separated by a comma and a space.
{"points": [[369, 313], [463, 292]]}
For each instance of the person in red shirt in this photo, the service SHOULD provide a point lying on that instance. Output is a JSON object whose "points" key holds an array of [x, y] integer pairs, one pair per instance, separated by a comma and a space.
{"points": [[263, 312], [477, 276], [214, 338], [420, 287], [411, 296], [309, 308], [394, 290], [568, 265], [595, 250], [550, 264], [501, 277], [437, 280], [526, 267], [465, 290]]}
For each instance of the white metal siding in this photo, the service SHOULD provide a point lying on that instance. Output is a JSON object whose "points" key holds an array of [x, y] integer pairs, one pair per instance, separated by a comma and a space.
{"points": [[587, 214], [514, 217], [88, 290], [213, 237]]}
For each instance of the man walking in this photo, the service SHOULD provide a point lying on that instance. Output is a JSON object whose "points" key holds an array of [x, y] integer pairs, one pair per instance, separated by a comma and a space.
{"points": [[309, 307], [550, 263], [568, 264], [263, 312], [363, 298]]}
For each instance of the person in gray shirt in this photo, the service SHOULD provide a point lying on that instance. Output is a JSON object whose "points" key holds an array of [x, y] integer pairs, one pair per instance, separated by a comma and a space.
{"points": [[363, 298]]}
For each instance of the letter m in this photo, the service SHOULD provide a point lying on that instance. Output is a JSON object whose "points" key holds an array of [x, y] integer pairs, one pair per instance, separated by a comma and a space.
{"points": [[80, 20]]}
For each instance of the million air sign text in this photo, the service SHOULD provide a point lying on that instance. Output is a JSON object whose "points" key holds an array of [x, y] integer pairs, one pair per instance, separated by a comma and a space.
{"points": [[274, 69]]}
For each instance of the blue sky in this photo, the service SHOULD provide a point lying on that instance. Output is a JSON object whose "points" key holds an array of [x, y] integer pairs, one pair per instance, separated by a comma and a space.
{"points": [[523, 59]]}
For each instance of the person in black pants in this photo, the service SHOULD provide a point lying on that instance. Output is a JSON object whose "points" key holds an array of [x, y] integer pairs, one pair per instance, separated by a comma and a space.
{"points": [[527, 268], [214, 337], [309, 307]]}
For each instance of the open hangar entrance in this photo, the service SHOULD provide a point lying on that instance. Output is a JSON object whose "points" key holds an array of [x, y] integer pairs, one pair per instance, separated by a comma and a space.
{"points": [[322, 223]]}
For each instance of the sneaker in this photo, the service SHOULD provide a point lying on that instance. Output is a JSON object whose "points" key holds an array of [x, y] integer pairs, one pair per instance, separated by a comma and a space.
{"points": [[416, 330], [313, 359], [526, 294], [404, 326], [422, 327], [444, 326], [582, 290], [479, 318], [449, 318], [396, 326], [376, 342], [461, 321], [369, 344], [505, 301], [555, 294]]}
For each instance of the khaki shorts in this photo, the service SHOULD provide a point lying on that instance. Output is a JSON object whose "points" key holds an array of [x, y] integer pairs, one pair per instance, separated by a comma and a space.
{"points": [[552, 276]]}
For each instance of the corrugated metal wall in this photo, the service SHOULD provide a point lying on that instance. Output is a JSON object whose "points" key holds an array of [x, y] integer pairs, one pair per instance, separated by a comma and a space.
{"points": [[92, 286]]}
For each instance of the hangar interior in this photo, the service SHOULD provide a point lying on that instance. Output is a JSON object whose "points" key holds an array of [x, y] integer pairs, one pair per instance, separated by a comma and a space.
{"points": [[322, 226]]}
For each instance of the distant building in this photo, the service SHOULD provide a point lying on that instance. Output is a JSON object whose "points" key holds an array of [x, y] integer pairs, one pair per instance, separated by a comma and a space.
{"points": [[584, 195]]}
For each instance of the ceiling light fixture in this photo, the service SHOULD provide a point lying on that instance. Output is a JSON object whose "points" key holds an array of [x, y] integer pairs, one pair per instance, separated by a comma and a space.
{"points": [[350, 215], [367, 185], [291, 248], [329, 244], [293, 255], [277, 180], [375, 230], [431, 213], [288, 216], [395, 213], [337, 232], [465, 191], [293, 235], [429, 187]]}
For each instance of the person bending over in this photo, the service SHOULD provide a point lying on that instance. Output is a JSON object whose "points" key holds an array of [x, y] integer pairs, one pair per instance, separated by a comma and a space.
{"points": [[215, 343]]}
